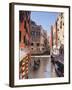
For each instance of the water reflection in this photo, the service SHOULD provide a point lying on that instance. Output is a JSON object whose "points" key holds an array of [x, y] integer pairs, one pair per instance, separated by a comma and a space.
{"points": [[45, 69]]}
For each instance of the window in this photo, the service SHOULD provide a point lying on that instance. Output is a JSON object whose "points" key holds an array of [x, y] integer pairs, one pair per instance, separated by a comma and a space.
{"points": [[33, 33], [26, 42], [38, 44], [20, 36], [37, 33], [61, 15], [24, 39], [26, 29], [32, 44], [32, 48], [42, 48], [58, 29], [25, 24], [28, 20], [61, 24]]}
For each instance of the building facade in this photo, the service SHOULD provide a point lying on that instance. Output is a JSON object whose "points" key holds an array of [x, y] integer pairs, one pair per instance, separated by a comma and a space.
{"points": [[24, 31], [38, 39], [57, 32], [24, 43], [60, 29]]}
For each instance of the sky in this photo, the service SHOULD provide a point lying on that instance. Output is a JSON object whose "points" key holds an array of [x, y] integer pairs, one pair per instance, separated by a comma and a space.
{"points": [[46, 19]]}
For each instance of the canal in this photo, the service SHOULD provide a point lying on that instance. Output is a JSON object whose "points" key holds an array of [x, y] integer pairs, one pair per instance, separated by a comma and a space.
{"points": [[45, 69]]}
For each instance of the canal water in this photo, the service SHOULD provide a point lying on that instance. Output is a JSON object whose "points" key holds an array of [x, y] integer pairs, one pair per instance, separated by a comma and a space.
{"points": [[45, 69]]}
